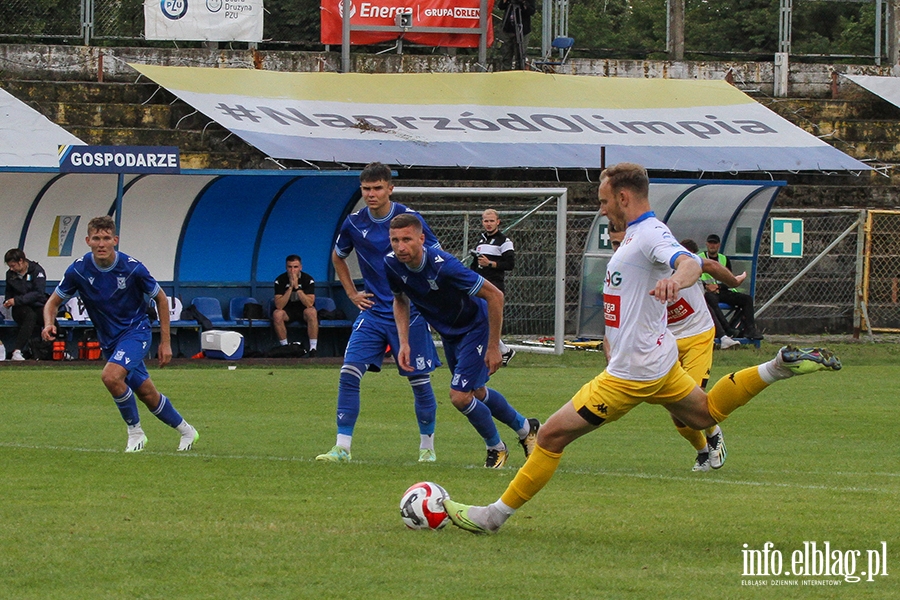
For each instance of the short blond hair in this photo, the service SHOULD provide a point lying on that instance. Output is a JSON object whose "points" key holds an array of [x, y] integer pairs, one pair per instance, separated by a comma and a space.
{"points": [[630, 176]]}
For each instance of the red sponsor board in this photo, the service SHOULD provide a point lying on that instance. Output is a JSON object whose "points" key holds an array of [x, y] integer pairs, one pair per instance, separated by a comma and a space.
{"points": [[430, 13]]}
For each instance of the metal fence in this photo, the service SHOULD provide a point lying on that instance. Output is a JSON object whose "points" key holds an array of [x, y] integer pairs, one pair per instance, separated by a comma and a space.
{"points": [[880, 296], [529, 309], [823, 299]]}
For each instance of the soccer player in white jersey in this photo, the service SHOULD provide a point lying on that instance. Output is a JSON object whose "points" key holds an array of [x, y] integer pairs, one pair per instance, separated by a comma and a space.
{"points": [[115, 288], [690, 322], [644, 276]]}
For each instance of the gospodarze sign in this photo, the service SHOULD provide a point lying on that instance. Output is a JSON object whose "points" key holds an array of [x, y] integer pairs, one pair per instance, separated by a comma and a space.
{"points": [[425, 13], [119, 159], [204, 20]]}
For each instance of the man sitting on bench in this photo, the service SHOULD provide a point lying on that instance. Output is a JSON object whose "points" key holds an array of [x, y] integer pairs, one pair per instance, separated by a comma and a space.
{"points": [[295, 300]]}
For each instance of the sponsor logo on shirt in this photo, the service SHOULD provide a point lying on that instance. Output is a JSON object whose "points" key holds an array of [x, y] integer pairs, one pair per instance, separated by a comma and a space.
{"points": [[678, 311], [613, 280], [612, 312]]}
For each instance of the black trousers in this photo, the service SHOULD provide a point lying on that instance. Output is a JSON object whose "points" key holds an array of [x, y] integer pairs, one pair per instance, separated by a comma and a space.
{"points": [[744, 304], [30, 320]]}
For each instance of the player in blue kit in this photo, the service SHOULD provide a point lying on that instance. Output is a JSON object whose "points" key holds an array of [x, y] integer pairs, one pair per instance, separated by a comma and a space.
{"points": [[367, 232], [467, 310], [115, 288]]}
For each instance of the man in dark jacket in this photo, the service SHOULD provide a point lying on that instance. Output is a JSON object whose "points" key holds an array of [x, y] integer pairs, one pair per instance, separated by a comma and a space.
{"points": [[493, 256], [26, 293]]}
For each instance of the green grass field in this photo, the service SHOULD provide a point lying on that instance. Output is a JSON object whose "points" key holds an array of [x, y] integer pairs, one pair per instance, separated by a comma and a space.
{"points": [[250, 514]]}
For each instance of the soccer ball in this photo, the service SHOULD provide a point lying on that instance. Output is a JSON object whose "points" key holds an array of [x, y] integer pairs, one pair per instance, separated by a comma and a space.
{"points": [[422, 506]]}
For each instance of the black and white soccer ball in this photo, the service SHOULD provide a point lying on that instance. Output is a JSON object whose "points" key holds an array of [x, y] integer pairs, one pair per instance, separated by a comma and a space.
{"points": [[422, 506]]}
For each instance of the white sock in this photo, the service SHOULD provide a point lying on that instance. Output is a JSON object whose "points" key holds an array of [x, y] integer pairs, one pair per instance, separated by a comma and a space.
{"points": [[426, 442], [503, 348], [184, 428], [771, 371], [526, 429], [313, 343], [283, 342], [506, 510], [135, 429], [344, 441]]}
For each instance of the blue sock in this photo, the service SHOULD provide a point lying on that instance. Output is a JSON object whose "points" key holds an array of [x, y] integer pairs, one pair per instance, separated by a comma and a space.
{"points": [[166, 413], [127, 405], [426, 403], [348, 397], [502, 410], [480, 417]]}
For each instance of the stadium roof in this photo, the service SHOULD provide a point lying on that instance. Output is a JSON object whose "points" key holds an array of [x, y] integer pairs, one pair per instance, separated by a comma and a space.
{"points": [[512, 119]]}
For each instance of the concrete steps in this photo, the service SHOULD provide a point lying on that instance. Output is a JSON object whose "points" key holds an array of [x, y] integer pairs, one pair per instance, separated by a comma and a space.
{"points": [[137, 114]]}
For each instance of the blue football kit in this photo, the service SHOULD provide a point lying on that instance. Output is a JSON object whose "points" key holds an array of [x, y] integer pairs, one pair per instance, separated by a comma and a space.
{"points": [[375, 329], [444, 291], [116, 300]]}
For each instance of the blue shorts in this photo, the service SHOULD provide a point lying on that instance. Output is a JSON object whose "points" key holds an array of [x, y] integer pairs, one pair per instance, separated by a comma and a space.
{"points": [[129, 352], [465, 357], [372, 334]]}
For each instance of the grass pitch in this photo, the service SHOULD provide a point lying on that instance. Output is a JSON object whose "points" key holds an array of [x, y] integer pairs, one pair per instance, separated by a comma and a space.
{"points": [[250, 514]]}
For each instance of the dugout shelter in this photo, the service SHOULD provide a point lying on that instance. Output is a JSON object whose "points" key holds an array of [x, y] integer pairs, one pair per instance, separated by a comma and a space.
{"points": [[739, 217]]}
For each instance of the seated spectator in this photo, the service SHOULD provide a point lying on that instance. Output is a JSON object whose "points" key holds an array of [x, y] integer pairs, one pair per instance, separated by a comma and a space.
{"points": [[295, 300], [723, 332], [26, 293], [717, 292]]}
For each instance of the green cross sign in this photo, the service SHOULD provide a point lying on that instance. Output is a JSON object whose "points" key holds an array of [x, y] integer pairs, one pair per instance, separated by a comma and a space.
{"points": [[787, 238], [603, 241]]}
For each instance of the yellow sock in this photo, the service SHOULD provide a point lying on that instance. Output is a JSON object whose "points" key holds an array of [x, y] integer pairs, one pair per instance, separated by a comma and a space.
{"points": [[531, 478], [733, 391], [696, 438]]}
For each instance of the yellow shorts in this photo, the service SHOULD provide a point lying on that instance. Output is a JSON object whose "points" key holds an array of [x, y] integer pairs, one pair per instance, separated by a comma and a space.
{"points": [[695, 354], [607, 398]]}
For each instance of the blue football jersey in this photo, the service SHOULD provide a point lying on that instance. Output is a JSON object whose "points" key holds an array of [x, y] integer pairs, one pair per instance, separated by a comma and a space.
{"points": [[371, 238], [116, 298], [443, 289]]}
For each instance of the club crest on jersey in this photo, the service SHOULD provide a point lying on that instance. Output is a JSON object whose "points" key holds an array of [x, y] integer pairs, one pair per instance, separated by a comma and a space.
{"points": [[119, 355], [420, 363], [432, 284], [455, 379], [120, 281]]}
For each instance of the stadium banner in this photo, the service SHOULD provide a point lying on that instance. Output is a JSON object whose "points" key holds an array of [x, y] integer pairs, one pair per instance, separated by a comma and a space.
{"points": [[120, 159], [425, 13], [508, 119], [204, 20]]}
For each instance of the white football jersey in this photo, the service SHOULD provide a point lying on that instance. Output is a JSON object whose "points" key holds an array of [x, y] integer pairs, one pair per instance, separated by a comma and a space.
{"points": [[689, 315], [642, 348]]}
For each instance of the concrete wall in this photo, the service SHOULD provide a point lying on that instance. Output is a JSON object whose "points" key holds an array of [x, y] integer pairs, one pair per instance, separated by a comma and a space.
{"points": [[31, 61]]}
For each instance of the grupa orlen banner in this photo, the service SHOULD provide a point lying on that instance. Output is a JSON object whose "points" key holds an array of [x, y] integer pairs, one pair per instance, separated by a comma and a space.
{"points": [[204, 20], [425, 13]]}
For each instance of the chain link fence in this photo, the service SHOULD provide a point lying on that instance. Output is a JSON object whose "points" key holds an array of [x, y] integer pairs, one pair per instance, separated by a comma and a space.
{"points": [[42, 18], [823, 299], [881, 275], [293, 22]]}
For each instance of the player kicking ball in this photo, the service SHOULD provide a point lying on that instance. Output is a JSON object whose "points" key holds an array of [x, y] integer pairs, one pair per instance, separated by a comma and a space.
{"points": [[643, 276], [114, 287], [467, 310]]}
